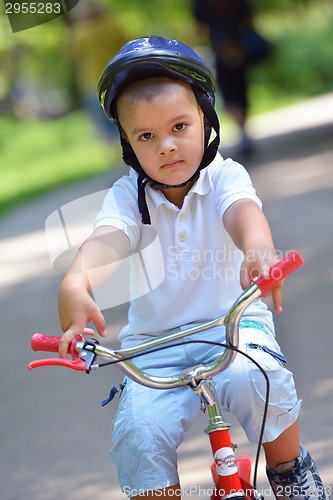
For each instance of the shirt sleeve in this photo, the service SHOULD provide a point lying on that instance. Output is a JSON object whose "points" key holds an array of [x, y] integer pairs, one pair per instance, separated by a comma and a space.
{"points": [[120, 210], [231, 183]]}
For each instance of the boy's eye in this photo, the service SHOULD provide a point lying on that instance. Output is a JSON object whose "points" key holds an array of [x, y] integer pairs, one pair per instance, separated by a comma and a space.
{"points": [[179, 126], [146, 136]]}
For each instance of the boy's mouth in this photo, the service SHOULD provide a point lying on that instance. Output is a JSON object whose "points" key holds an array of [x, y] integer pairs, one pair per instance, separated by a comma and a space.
{"points": [[171, 164]]}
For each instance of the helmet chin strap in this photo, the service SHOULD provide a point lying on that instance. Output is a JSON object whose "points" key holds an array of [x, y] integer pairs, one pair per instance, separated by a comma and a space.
{"points": [[143, 180], [158, 186]]}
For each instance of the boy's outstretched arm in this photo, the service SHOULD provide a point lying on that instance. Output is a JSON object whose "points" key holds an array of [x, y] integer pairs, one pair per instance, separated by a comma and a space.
{"points": [[250, 231], [95, 262]]}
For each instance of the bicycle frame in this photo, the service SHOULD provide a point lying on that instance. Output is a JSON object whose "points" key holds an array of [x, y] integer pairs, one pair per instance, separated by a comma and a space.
{"points": [[231, 475], [229, 480]]}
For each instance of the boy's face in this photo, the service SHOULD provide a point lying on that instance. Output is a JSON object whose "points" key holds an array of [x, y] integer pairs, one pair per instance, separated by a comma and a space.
{"points": [[166, 134]]}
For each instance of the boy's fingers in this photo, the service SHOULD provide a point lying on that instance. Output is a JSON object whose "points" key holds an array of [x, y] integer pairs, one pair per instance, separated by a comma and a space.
{"points": [[65, 340], [99, 321], [245, 278], [88, 331], [277, 298], [96, 317]]}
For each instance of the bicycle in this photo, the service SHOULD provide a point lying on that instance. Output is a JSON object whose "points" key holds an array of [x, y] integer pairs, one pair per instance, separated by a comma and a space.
{"points": [[231, 473]]}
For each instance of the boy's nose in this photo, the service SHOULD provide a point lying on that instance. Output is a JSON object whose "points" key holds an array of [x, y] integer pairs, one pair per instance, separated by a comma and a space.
{"points": [[166, 145]]}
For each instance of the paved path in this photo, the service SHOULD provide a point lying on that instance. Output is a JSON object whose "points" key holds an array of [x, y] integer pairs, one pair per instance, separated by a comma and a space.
{"points": [[53, 432]]}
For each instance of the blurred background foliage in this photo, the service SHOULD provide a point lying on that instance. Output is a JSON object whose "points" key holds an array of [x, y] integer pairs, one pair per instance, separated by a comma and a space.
{"points": [[46, 139]]}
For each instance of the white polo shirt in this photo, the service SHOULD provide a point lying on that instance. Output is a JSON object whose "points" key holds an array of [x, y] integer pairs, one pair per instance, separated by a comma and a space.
{"points": [[184, 266]]}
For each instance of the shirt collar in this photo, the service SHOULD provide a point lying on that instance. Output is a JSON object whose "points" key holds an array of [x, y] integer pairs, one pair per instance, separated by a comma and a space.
{"points": [[201, 187]]}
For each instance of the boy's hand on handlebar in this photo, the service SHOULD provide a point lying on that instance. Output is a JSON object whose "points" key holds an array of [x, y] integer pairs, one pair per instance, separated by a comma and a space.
{"points": [[258, 263], [76, 310]]}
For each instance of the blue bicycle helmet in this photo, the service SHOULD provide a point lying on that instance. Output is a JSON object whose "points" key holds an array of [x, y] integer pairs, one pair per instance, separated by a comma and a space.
{"points": [[151, 57]]}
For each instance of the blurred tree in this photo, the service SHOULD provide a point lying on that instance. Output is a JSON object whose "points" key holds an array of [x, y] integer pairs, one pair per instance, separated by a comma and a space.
{"points": [[301, 29], [94, 36]]}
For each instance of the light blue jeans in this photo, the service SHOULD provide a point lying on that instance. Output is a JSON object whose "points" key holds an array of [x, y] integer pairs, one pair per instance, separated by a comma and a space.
{"points": [[150, 423]]}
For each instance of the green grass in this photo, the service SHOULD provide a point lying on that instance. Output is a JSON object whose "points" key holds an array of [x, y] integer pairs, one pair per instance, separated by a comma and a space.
{"points": [[301, 65], [40, 155]]}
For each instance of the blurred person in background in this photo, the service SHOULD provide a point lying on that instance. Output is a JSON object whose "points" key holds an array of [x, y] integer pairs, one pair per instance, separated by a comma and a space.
{"points": [[236, 45], [93, 35]]}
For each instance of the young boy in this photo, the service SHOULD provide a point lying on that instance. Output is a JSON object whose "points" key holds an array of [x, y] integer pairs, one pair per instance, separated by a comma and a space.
{"points": [[213, 237]]}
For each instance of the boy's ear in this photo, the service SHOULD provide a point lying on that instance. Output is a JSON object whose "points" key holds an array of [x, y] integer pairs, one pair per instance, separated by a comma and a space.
{"points": [[124, 136]]}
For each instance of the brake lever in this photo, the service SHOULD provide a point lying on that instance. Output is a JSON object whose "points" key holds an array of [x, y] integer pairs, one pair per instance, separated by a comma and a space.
{"points": [[76, 364], [83, 363]]}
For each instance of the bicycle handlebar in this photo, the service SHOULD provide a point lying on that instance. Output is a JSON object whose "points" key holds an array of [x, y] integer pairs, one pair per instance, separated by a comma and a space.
{"points": [[88, 350]]}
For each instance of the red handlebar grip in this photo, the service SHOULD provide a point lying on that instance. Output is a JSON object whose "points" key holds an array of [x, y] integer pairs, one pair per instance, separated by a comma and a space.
{"points": [[280, 270], [50, 343]]}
